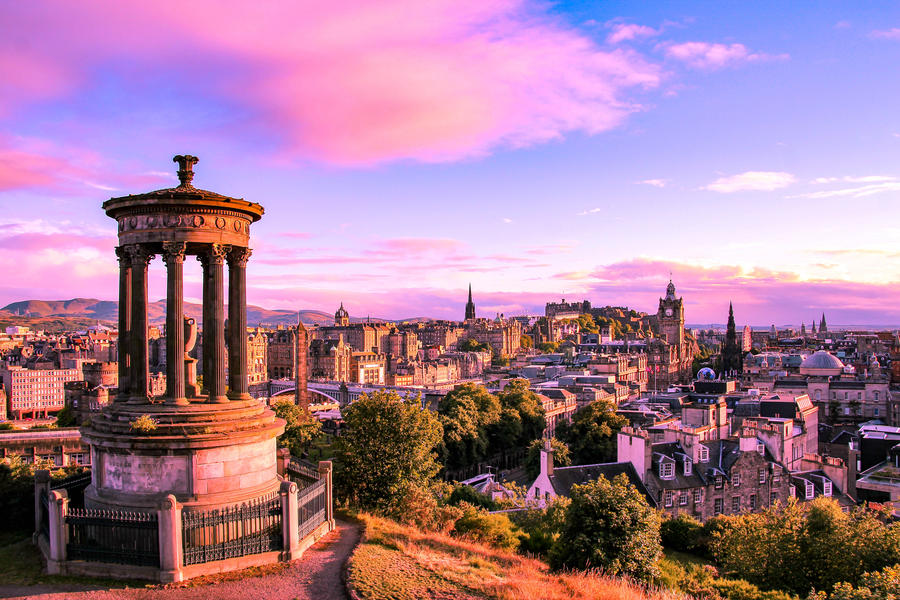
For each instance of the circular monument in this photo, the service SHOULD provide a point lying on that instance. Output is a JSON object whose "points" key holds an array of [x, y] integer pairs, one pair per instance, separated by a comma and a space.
{"points": [[209, 447]]}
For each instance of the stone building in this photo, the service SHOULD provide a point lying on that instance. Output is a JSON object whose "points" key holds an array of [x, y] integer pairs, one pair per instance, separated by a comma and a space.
{"points": [[35, 392], [504, 336], [400, 344], [367, 367], [329, 359], [257, 356]]}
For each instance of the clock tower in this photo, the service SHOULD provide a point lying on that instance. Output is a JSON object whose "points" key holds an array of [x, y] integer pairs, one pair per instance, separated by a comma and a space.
{"points": [[671, 318]]}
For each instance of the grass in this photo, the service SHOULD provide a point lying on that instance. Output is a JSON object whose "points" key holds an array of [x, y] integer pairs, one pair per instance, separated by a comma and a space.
{"points": [[402, 563]]}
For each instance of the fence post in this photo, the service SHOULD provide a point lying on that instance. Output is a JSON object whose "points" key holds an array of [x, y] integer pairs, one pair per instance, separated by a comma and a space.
{"points": [[290, 521], [41, 482], [169, 523], [325, 472], [283, 462], [59, 508]]}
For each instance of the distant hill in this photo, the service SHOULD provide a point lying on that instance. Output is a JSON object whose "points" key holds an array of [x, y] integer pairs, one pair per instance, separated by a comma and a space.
{"points": [[90, 310]]}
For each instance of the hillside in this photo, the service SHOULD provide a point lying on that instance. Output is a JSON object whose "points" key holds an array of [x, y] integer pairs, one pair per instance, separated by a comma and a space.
{"points": [[404, 563], [78, 313]]}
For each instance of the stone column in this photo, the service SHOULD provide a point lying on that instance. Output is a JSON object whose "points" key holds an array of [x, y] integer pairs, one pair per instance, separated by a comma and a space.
{"points": [[59, 508], [214, 322], [325, 472], [123, 343], [139, 373], [290, 517], [237, 323], [173, 256], [168, 517]]}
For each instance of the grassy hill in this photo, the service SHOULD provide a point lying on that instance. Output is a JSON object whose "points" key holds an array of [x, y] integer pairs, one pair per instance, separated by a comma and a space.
{"points": [[404, 563]]}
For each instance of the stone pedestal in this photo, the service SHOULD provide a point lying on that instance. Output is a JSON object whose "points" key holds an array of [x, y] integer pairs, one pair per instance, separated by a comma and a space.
{"points": [[206, 455]]}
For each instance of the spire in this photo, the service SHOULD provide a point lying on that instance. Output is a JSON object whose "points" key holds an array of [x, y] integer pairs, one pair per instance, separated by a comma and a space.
{"points": [[470, 292], [470, 306]]}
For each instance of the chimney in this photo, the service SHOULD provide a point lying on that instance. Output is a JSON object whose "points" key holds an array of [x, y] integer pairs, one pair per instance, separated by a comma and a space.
{"points": [[547, 458], [747, 441]]}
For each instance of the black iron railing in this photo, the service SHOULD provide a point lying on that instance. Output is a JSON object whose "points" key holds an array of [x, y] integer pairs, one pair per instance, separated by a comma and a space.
{"points": [[250, 528], [311, 506], [301, 472], [45, 513], [74, 487], [112, 536]]}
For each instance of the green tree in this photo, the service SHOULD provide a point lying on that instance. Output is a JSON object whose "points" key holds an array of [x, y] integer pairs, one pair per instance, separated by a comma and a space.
{"points": [[561, 456], [548, 347], [609, 526], [587, 324], [466, 413], [526, 342], [880, 585], [65, 417], [521, 417], [388, 444], [472, 345], [495, 529], [591, 435], [300, 429]]}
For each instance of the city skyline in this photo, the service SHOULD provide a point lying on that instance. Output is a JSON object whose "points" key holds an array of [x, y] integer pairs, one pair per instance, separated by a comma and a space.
{"points": [[535, 150]]}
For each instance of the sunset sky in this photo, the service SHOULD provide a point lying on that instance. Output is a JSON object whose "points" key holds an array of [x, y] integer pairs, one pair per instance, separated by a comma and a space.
{"points": [[405, 148]]}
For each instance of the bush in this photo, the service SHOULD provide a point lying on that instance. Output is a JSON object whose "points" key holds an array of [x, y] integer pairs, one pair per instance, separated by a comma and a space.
{"points": [[420, 506], [482, 526], [682, 533], [143, 424], [541, 527], [466, 493]]}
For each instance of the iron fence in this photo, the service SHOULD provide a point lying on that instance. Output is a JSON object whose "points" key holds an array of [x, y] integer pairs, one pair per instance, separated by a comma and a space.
{"points": [[112, 536], [250, 528], [311, 506], [301, 472], [74, 487], [45, 513]]}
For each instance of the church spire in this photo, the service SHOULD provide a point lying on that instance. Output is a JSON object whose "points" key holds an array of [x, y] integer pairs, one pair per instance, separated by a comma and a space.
{"points": [[470, 306]]}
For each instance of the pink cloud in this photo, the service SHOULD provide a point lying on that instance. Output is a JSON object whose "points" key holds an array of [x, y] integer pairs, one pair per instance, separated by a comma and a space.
{"points": [[706, 55], [887, 34], [348, 82], [622, 32]]}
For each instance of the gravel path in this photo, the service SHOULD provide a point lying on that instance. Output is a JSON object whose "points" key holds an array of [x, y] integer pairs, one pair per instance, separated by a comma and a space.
{"points": [[316, 576]]}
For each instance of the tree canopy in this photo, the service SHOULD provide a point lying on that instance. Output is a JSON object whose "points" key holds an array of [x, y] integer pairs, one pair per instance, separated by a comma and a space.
{"points": [[521, 416], [591, 436], [467, 413], [609, 526], [300, 428], [561, 456], [472, 345], [388, 444]]}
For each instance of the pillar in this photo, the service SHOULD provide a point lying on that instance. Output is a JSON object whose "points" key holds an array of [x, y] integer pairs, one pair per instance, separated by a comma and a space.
{"points": [[123, 343], [290, 521], [173, 256], [237, 323], [168, 517], [214, 322], [59, 508], [325, 472], [139, 371]]}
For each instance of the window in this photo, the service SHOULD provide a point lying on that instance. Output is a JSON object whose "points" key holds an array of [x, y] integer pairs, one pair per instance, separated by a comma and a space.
{"points": [[683, 498], [762, 475], [818, 395], [793, 491], [773, 497], [688, 466], [876, 396], [736, 479], [810, 490], [752, 501], [717, 506], [718, 482], [666, 470], [876, 411], [667, 498], [826, 488], [761, 448], [704, 454], [698, 495], [735, 504], [776, 473]]}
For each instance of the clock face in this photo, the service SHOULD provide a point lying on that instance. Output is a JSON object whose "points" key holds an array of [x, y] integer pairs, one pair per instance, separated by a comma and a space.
{"points": [[668, 312]]}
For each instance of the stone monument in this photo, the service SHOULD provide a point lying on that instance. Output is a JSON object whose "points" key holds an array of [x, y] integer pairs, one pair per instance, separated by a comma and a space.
{"points": [[210, 447]]}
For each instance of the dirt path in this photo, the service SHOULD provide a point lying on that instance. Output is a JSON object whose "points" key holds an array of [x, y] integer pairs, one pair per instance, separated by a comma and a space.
{"points": [[316, 576]]}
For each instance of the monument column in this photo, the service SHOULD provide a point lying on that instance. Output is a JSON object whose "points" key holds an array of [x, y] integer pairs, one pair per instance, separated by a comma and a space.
{"points": [[173, 256], [237, 322], [214, 332], [124, 350], [139, 373]]}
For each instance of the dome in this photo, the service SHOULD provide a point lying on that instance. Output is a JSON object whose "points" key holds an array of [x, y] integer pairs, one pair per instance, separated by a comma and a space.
{"points": [[822, 360], [706, 373]]}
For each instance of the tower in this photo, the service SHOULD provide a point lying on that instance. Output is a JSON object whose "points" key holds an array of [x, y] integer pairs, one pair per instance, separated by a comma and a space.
{"points": [[823, 328], [671, 318], [470, 306], [301, 352], [341, 317], [731, 353]]}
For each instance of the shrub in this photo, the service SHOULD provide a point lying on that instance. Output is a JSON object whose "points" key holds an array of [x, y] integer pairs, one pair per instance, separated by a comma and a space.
{"points": [[480, 525], [143, 424], [682, 533], [466, 493]]}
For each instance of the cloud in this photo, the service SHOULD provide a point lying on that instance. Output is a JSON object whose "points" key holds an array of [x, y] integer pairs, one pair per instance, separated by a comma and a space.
{"points": [[507, 220], [860, 191], [622, 32], [660, 183], [863, 179], [591, 211], [706, 55], [887, 34], [764, 181], [364, 83]]}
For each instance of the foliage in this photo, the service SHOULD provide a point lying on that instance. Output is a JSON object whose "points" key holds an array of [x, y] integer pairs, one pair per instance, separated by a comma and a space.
{"points": [[702, 582], [143, 424], [561, 456], [466, 413], [43, 426], [17, 489], [388, 443], [497, 530], [541, 527], [880, 585], [521, 417], [609, 526], [421, 506], [682, 533], [7, 427], [65, 417], [466, 493], [472, 345], [526, 342], [587, 324], [799, 548], [548, 347], [591, 435], [300, 428]]}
